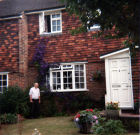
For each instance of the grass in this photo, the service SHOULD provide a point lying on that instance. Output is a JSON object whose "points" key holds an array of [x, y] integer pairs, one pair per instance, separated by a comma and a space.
{"points": [[47, 126]]}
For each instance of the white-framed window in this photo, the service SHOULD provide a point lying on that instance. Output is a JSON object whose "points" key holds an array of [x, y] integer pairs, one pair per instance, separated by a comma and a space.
{"points": [[3, 81], [50, 22], [95, 27], [69, 77]]}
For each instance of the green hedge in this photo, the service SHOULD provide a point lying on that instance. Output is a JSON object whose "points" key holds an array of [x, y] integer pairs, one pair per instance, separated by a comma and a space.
{"points": [[14, 100], [53, 104], [8, 118]]}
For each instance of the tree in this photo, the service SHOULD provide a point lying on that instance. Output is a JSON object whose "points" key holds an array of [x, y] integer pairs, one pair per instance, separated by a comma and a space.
{"points": [[121, 16]]}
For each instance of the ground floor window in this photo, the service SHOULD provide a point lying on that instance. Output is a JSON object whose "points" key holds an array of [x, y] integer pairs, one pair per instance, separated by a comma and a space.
{"points": [[3, 81], [68, 77]]}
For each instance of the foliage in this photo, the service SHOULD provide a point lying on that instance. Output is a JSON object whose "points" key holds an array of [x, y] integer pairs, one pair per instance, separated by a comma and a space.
{"points": [[131, 124], [41, 65], [112, 106], [86, 116], [8, 118], [54, 104], [97, 75], [117, 19], [109, 127], [14, 101]]}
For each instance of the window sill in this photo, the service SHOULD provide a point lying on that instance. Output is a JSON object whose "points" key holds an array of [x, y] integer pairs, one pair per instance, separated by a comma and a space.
{"points": [[94, 29], [80, 90], [50, 34]]}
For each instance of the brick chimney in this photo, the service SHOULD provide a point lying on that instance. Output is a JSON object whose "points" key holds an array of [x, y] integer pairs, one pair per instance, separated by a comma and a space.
{"points": [[23, 50]]}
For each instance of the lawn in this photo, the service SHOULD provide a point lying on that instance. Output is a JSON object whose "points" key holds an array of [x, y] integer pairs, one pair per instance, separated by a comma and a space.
{"points": [[47, 126]]}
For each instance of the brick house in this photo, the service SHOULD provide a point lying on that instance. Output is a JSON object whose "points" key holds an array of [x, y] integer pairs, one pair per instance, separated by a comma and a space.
{"points": [[24, 24]]}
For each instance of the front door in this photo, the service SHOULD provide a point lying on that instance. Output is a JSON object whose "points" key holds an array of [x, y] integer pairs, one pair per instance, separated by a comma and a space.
{"points": [[120, 82]]}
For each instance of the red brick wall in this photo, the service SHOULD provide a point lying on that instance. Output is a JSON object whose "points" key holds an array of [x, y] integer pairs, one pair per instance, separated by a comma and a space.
{"points": [[59, 48], [68, 48], [9, 49]]}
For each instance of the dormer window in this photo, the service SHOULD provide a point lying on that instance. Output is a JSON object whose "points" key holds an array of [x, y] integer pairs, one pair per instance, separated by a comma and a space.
{"points": [[50, 22]]}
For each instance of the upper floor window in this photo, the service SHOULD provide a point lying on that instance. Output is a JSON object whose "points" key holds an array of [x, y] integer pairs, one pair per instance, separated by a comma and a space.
{"points": [[50, 22], [95, 27], [68, 77], [3, 81]]}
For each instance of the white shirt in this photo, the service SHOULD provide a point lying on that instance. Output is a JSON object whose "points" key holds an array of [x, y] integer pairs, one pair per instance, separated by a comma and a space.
{"points": [[34, 92]]}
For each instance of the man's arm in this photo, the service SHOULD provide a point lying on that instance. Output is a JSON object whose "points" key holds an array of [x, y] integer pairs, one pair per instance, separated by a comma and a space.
{"points": [[30, 94], [31, 99]]}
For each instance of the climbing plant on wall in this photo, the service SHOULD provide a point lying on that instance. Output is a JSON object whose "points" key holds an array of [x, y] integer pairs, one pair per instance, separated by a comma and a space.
{"points": [[42, 66]]}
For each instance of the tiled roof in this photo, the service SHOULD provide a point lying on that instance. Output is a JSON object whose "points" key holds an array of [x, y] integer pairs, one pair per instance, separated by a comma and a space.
{"points": [[16, 7]]}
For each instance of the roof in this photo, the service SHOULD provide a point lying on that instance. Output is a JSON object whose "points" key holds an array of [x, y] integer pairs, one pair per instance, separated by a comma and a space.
{"points": [[16, 7], [114, 53]]}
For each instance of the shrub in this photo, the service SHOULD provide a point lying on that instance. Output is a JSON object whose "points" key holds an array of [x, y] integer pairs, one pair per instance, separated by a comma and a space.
{"points": [[8, 118], [15, 101], [109, 127], [53, 104]]}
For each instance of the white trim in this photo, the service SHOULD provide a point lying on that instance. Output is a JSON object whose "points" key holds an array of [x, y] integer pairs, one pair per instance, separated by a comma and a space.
{"points": [[131, 82], [114, 53], [69, 90], [73, 77], [107, 75], [8, 18], [4, 73], [47, 10], [42, 22], [7, 78]]}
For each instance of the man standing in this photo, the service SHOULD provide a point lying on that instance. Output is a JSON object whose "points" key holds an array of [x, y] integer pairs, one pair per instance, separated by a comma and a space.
{"points": [[35, 100]]}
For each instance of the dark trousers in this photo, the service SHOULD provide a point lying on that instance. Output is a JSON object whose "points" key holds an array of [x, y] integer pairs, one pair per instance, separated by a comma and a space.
{"points": [[35, 110]]}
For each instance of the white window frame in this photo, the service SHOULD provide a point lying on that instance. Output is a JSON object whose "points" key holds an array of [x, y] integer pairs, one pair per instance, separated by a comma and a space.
{"points": [[73, 77], [94, 27], [4, 73], [42, 22]]}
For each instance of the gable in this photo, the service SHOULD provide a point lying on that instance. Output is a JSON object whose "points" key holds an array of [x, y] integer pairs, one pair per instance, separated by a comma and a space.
{"points": [[116, 54]]}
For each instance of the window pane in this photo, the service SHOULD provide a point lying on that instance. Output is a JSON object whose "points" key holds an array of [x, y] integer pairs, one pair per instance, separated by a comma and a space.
{"points": [[0, 77], [81, 73], [4, 77], [4, 83], [81, 67], [54, 80], [54, 28], [47, 23], [82, 85], [54, 87], [81, 79], [58, 74], [77, 85], [54, 22], [77, 67], [77, 79], [58, 87], [53, 16], [70, 86], [57, 15], [58, 28], [76, 73], [58, 22], [58, 80], [70, 80], [67, 79], [54, 74]]}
